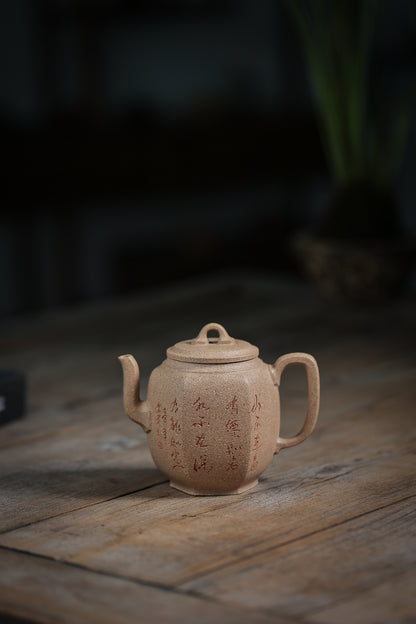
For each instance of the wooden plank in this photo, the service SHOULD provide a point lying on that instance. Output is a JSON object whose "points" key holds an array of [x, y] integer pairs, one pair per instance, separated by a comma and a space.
{"points": [[71, 356], [98, 320], [322, 538], [66, 469], [100, 456], [159, 536], [49, 592], [94, 452], [97, 375], [48, 423], [360, 380], [369, 605], [325, 569], [60, 375], [91, 327], [163, 535]]}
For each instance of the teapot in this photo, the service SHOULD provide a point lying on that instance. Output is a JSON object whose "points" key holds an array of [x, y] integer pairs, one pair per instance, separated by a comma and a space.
{"points": [[212, 413]]}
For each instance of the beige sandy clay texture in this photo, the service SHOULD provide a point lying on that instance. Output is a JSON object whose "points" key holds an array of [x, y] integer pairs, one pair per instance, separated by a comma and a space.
{"points": [[212, 414]]}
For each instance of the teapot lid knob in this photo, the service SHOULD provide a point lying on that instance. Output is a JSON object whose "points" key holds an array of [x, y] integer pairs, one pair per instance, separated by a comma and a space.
{"points": [[223, 336]]}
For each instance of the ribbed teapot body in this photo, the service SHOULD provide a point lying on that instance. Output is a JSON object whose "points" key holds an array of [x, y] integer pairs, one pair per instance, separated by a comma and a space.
{"points": [[214, 427]]}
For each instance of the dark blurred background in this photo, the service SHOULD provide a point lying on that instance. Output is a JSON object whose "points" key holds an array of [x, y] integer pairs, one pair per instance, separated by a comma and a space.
{"points": [[147, 142]]}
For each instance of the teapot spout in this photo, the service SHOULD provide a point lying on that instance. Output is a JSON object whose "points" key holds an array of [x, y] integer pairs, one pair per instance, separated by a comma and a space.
{"points": [[137, 410]]}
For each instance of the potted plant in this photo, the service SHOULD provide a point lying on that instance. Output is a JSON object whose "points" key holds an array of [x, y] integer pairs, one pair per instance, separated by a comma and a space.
{"points": [[359, 251]]}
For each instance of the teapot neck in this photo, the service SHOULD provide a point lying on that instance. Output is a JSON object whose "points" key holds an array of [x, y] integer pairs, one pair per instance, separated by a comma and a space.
{"points": [[207, 367]]}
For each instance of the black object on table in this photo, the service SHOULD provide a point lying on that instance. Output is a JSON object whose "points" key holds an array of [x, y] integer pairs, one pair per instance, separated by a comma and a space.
{"points": [[12, 395]]}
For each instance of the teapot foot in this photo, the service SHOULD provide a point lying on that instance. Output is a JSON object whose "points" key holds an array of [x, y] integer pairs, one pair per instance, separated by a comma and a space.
{"points": [[193, 492]]}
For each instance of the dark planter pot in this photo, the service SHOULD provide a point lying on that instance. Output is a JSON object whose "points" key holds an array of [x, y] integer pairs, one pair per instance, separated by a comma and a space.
{"points": [[360, 271]]}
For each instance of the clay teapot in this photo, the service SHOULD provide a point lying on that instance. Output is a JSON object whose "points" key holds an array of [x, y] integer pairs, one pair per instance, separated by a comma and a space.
{"points": [[212, 413]]}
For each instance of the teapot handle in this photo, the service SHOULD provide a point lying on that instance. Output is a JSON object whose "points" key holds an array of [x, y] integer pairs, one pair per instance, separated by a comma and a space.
{"points": [[312, 373]]}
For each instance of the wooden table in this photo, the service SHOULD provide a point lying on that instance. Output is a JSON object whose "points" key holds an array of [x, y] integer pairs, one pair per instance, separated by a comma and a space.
{"points": [[91, 530]]}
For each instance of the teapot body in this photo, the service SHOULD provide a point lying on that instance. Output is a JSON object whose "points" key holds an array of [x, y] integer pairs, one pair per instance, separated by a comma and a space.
{"points": [[212, 412], [214, 427]]}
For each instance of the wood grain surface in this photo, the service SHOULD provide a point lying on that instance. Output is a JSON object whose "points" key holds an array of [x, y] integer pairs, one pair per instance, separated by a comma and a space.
{"points": [[90, 530]]}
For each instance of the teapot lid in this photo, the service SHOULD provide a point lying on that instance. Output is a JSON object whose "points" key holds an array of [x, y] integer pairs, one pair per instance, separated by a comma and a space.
{"points": [[220, 350]]}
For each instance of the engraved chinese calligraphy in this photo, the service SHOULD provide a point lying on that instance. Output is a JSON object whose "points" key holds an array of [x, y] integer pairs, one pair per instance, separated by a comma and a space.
{"points": [[167, 429], [201, 423], [233, 425], [232, 452], [255, 410]]}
